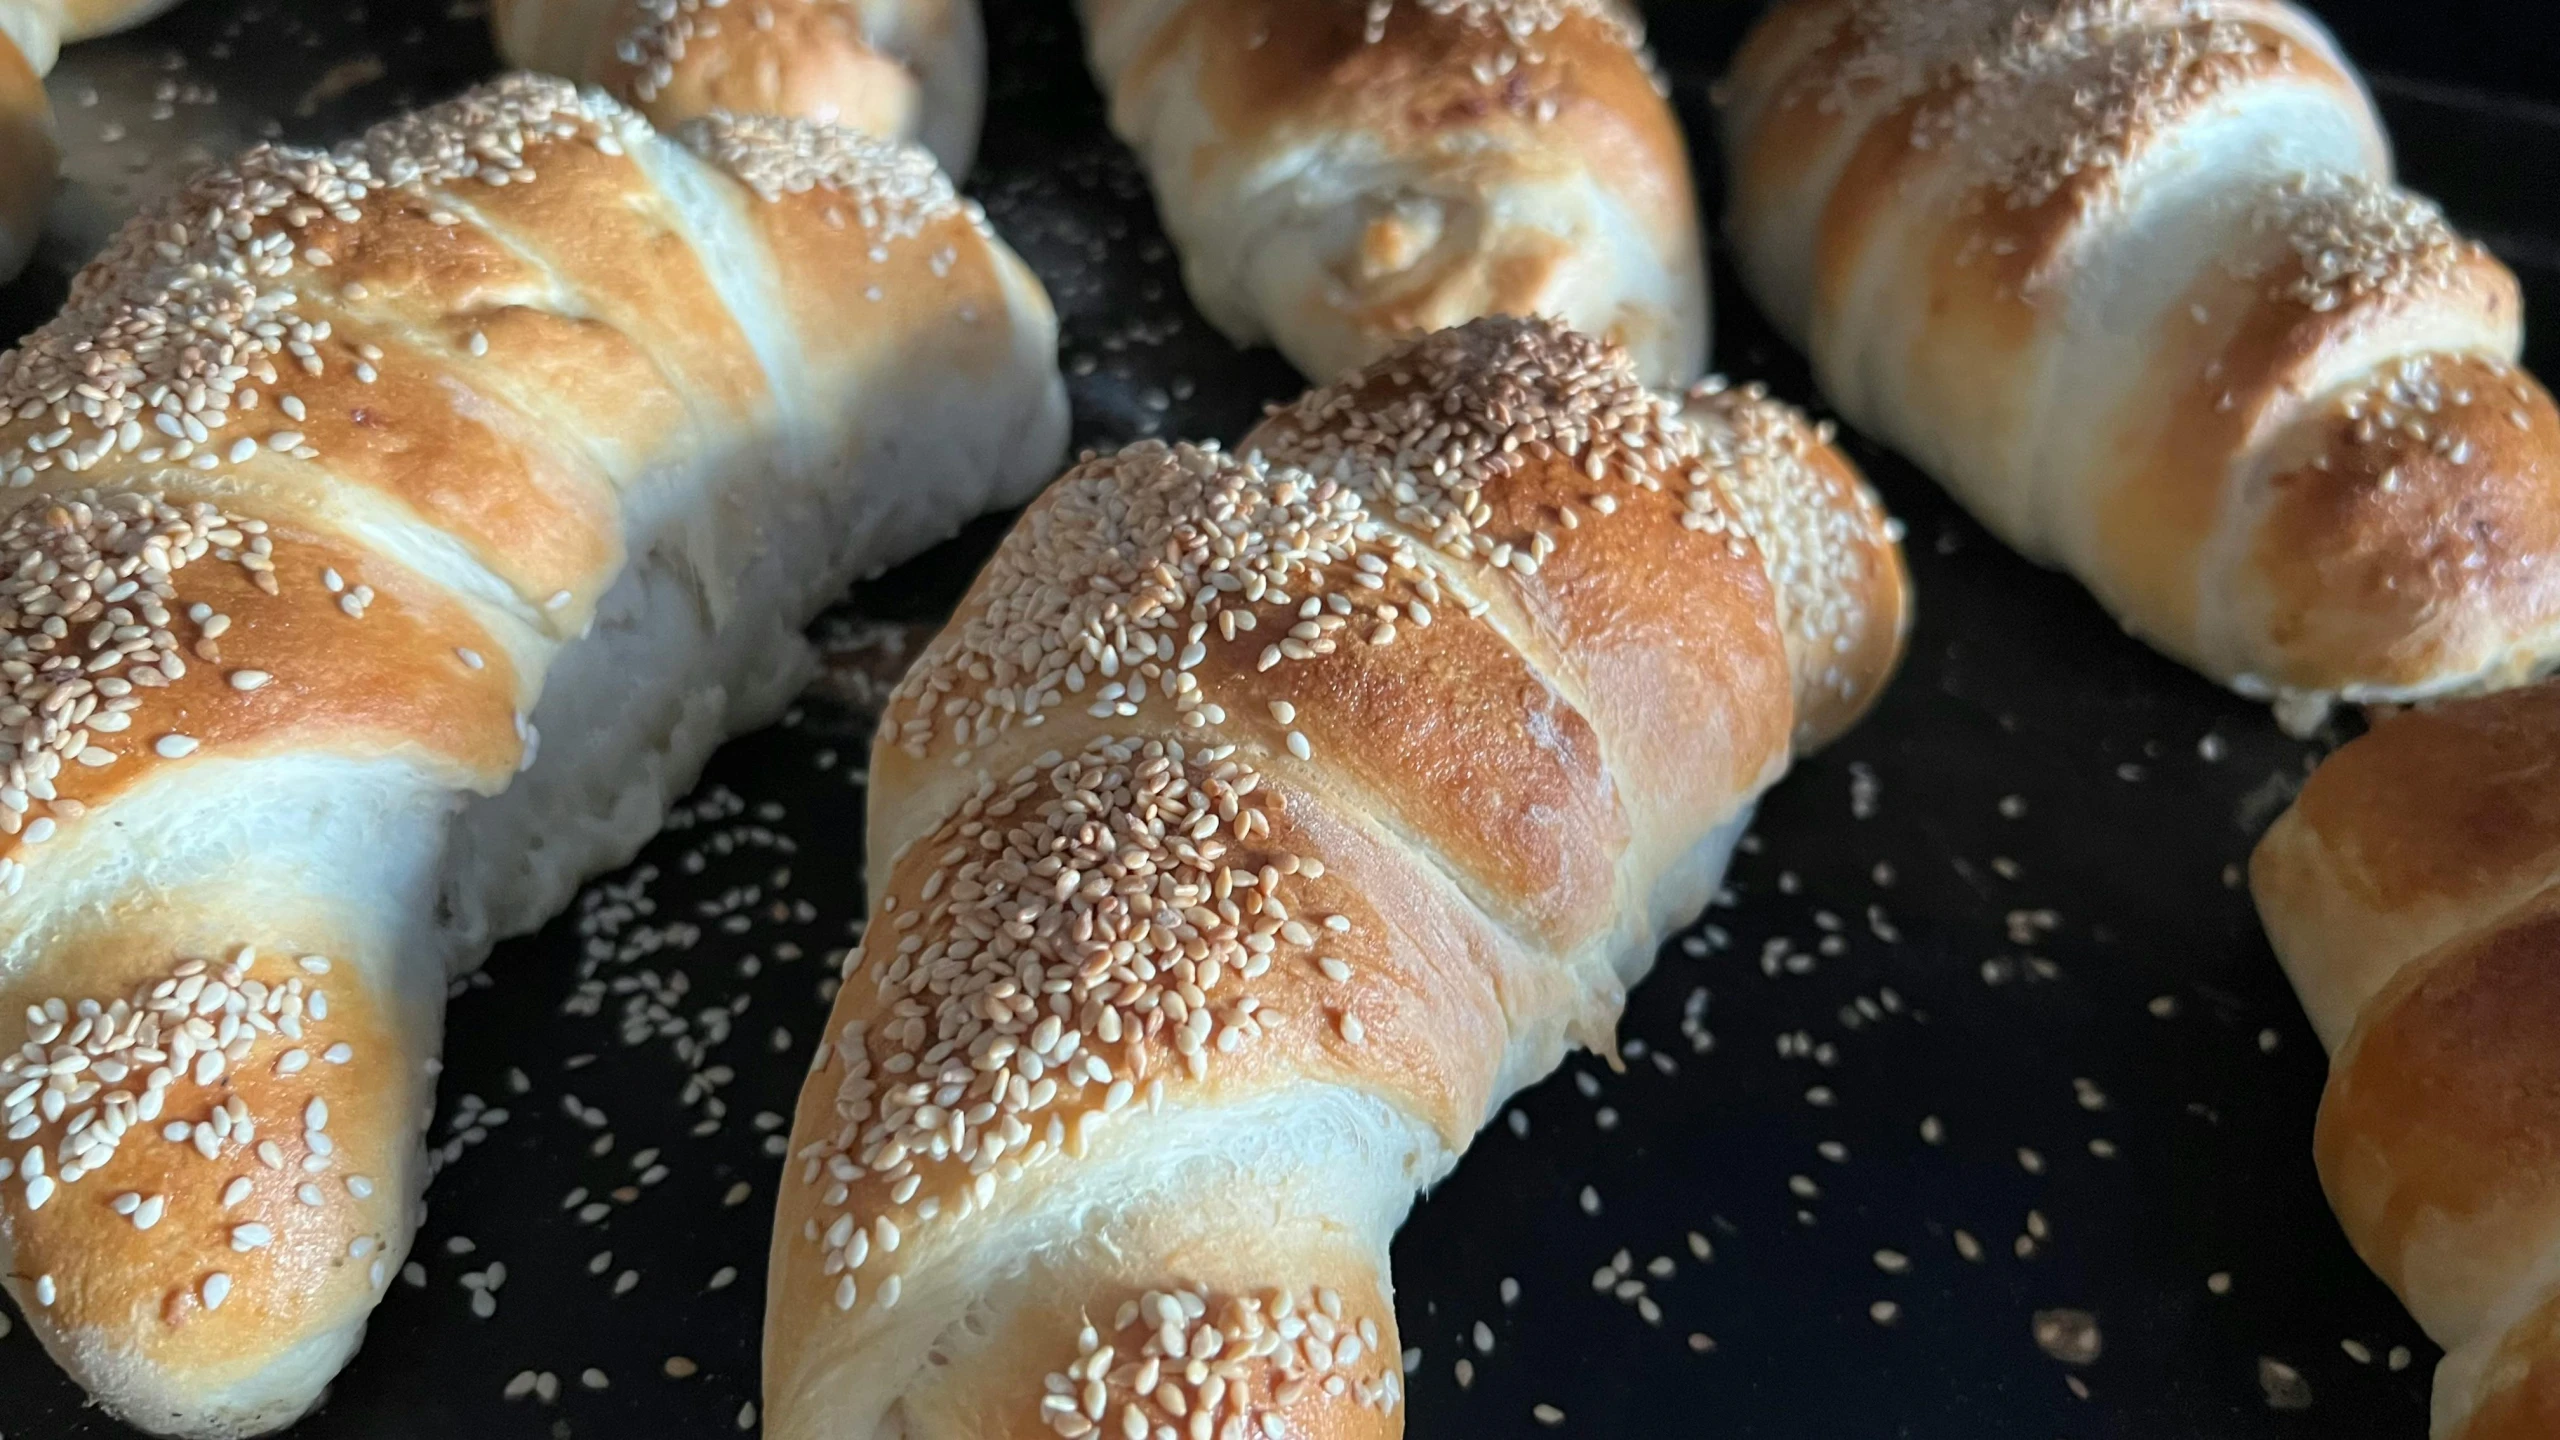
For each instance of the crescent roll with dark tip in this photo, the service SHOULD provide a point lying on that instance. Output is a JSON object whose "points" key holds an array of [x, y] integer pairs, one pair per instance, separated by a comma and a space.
{"points": [[2133, 278], [2413, 894], [901, 69], [1340, 175], [1262, 821], [345, 481]]}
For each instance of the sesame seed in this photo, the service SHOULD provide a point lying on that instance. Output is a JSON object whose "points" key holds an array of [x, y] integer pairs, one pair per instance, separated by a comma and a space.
{"points": [[1547, 1415], [216, 1289], [174, 747], [246, 680]]}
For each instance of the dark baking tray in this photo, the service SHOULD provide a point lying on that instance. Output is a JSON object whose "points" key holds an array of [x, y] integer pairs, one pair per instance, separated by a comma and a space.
{"points": [[2010, 902]]}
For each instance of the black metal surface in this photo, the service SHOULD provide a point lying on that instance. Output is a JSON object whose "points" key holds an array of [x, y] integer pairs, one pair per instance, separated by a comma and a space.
{"points": [[2006, 909]]}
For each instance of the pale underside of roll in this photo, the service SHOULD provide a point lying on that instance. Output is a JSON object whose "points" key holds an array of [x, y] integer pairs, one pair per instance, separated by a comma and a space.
{"points": [[1207, 926], [344, 480]]}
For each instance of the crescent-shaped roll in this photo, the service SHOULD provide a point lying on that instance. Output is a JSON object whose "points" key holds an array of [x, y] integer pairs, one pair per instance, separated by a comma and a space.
{"points": [[903, 69], [2133, 278], [1339, 175], [345, 479], [1262, 820], [2413, 894]]}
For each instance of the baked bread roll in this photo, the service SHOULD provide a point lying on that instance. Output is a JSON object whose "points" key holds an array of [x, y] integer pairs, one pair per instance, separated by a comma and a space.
{"points": [[2413, 894], [1342, 174], [2132, 277], [906, 69], [1206, 928], [344, 480], [30, 151], [32, 34]]}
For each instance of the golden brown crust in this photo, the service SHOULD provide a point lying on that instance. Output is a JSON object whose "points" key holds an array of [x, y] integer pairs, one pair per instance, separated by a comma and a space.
{"points": [[2410, 893], [29, 156], [808, 58], [2522, 1386], [2408, 838], [2419, 557], [597, 216], [301, 498], [1457, 106], [2439, 1135], [142, 1288], [1961, 175], [389, 677], [1276, 67], [2452, 804], [1193, 817]]}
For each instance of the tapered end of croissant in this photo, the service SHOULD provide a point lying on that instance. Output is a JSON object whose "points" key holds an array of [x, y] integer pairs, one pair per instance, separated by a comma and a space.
{"points": [[210, 1180]]}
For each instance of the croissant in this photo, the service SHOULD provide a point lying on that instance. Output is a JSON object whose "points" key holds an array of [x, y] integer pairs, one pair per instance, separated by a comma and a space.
{"points": [[32, 33], [2413, 894], [2132, 277], [1261, 821], [904, 69], [1341, 174], [343, 480]]}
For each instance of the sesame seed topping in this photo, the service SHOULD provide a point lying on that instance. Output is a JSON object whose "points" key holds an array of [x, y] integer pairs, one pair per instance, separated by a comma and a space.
{"points": [[71, 657], [1211, 1365], [2034, 96], [216, 1289], [2354, 237], [174, 747], [1082, 909], [895, 190], [105, 1070], [245, 680], [1520, 22]]}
